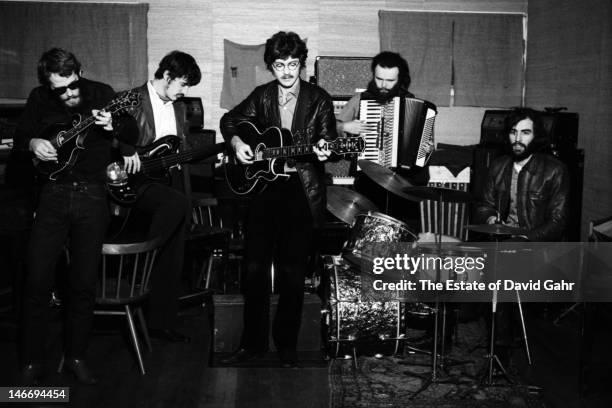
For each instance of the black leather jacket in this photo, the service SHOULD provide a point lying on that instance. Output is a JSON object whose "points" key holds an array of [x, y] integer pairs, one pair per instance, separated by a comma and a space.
{"points": [[313, 119], [143, 114], [542, 196]]}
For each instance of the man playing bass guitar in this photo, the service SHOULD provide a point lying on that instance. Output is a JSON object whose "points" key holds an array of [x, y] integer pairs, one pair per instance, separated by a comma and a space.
{"points": [[282, 218], [161, 113]]}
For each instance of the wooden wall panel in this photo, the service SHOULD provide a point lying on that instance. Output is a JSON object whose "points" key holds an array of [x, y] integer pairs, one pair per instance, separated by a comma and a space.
{"points": [[247, 22]]}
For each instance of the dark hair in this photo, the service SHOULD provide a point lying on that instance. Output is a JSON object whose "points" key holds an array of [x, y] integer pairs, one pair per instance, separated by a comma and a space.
{"points": [[283, 45], [179, 65], [57, 61], [540, 140], [388, 59]]}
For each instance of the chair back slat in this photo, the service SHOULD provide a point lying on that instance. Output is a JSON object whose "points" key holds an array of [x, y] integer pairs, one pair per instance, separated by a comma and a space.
{"points": [[134, 274], [126, 270], [453, 216], [146, 277], [119, 276]]}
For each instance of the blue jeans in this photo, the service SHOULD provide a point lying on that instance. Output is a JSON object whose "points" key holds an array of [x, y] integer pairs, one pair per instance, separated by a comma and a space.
{"points": [[77, 211]]}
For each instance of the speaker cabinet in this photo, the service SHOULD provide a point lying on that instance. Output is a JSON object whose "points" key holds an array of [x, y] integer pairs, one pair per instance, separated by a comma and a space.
{"points": [[341, 76], [228, 319], [561, 129], [194, 112], [574, 160], [483, 157]]}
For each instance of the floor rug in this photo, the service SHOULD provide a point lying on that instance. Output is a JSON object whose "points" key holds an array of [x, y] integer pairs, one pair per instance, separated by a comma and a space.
{"points": [[384, 382]]}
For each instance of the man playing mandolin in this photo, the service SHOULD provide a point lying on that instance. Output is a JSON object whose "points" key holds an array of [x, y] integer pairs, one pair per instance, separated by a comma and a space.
{"points": [[72, 205], [281, 219]]}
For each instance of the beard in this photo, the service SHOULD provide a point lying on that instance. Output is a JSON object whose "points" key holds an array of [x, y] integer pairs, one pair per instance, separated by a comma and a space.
{"points": [[382, 95], [521, 155], [72, 102]]}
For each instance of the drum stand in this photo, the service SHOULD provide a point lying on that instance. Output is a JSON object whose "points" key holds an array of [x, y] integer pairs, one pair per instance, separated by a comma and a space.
{"points": [[487, 378], [433, 378]]}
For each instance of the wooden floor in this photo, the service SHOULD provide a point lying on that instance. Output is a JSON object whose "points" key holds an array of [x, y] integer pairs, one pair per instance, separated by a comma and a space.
{"points": [[179, 375]]}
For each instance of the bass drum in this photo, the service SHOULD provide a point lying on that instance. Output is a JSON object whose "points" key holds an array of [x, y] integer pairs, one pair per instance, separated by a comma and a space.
{"points": [[374, 228], [354, 325]]}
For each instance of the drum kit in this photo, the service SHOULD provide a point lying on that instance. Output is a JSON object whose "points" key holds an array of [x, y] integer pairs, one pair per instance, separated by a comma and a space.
{"points": [[353, 321]]}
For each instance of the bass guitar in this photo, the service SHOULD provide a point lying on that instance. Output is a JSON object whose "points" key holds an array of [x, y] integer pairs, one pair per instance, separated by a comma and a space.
{"points": [[270, 150], [155, 159], [69, 139]]}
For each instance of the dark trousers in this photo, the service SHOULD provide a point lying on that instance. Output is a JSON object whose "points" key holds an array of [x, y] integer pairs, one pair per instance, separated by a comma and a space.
{"points": [[168, 209], [78, 211], [279, 229]]}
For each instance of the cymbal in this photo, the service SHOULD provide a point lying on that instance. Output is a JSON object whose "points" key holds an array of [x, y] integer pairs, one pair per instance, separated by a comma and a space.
{"points": [[447, 195], [345, 203], [387, 179], [496, 229]]}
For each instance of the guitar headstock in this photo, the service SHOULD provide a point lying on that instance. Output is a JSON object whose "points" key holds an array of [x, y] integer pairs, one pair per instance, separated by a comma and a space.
{"points": [[346, 145], [124, 102]]}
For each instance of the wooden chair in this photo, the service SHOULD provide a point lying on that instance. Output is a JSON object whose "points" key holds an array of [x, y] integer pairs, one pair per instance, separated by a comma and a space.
{"points": [[124, 285], [207, 239]]}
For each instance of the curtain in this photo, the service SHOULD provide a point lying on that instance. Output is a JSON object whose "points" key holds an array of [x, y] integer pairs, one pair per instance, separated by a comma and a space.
{"points": [[110, 41], [481, 54], [244, 69]]}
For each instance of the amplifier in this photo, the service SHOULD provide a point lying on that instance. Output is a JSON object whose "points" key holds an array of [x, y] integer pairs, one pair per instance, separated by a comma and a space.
{"points": [[561, 128], [341, 76], [9, 116], [228, 323], [194, 112]]}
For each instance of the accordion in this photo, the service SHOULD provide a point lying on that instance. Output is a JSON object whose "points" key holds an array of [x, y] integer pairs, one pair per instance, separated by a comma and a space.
{"points": [[401, 131]]}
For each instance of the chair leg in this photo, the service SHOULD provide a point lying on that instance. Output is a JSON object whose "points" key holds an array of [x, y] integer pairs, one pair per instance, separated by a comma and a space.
{"points": [[128, 313], [209, 266], [143, 325], [60, 367]]}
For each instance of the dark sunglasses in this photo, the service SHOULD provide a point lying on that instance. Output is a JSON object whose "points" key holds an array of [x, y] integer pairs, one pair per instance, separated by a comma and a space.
{"points": [[62, 89]]}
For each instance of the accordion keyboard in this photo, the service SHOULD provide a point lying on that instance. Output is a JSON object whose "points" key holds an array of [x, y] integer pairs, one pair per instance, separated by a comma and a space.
{"points": [[381, 137]]}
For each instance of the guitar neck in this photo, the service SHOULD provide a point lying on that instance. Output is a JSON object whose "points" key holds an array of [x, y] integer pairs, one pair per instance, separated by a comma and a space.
{"points": [[79, 128], [82, 125], [293, 151], [167, 161]]}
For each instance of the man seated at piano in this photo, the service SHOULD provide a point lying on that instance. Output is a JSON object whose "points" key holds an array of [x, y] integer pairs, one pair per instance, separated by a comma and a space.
{"points": [[528, 188]]}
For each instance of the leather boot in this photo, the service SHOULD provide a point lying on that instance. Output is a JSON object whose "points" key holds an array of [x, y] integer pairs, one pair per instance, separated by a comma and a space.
{"points": [[80, 371]]}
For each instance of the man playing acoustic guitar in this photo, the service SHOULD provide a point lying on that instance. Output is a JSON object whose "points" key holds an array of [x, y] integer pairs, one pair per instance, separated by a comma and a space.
{"points": [[281, 220]]}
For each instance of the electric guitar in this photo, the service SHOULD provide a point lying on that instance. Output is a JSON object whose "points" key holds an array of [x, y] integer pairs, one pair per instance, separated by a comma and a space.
{"points": [[69, 139], [155, 159], [270, 149]]}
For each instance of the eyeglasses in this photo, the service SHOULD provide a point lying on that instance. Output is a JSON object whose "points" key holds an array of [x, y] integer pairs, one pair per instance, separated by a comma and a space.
{"points": [[279, 66], [62, 89]]}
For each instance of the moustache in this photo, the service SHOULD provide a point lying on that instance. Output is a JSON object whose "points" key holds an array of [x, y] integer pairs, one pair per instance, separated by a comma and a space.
{"points": [[517, 144], [180, 95]]}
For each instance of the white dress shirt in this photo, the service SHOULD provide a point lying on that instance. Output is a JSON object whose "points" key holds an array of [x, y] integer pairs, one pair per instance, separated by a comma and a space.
{"points": [[163, 114]]}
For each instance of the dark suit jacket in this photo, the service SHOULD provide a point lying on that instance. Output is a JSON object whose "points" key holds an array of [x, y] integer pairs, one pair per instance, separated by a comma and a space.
{"points": [[144, 123]]}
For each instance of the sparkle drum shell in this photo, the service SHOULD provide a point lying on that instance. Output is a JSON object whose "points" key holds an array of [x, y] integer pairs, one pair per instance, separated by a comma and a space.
{"points": [[374, 228], [357, 325]]}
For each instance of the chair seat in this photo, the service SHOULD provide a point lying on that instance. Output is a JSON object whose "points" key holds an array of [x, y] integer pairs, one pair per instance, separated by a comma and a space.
{"points": [[199, 231], [123, 298]]}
